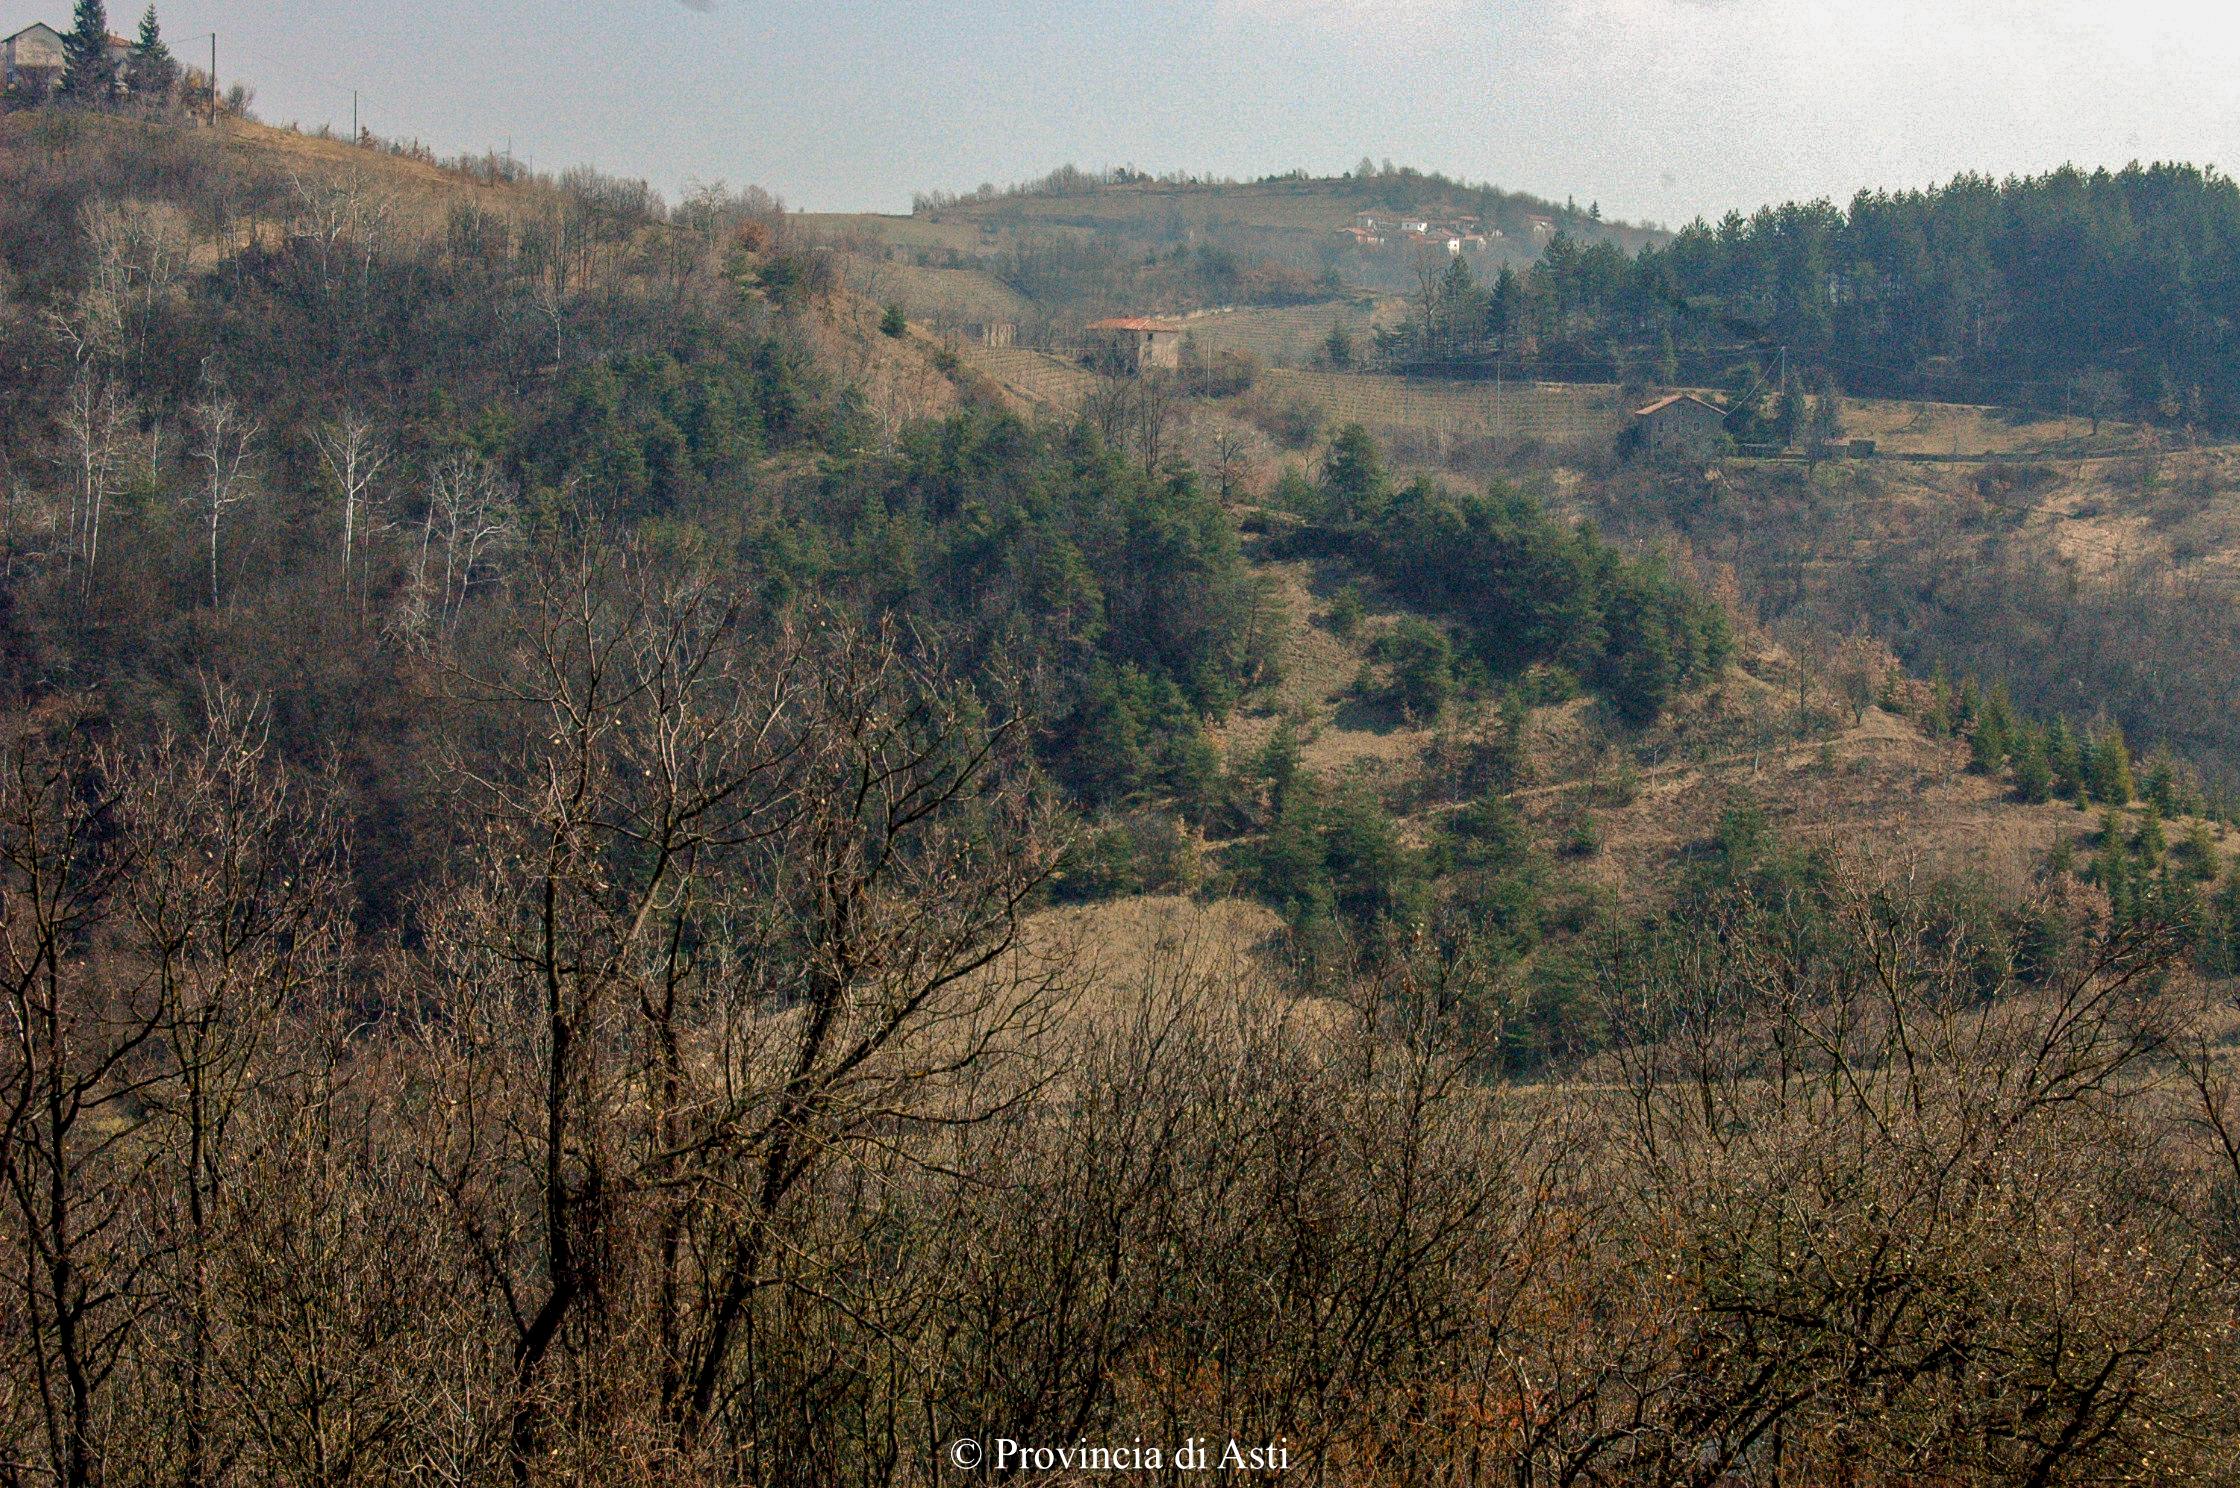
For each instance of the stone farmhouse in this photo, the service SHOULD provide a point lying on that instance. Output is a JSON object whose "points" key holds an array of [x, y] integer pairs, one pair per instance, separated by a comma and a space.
{"points": [[1681, 424], [1134, 345]]}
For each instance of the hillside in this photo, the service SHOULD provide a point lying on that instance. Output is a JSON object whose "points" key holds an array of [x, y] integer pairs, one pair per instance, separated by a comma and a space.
{"points": [[1294, 210], [1792, 734], [622, 865], [1075, 246]]}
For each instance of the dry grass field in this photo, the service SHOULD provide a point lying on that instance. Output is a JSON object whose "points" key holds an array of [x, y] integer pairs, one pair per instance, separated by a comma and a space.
{"points": [[1291, 335], [1902, 427], [1534, 410]]}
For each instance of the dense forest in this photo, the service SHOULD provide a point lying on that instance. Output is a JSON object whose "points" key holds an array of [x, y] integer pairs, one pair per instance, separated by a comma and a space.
{"points": [[2095, 292]]}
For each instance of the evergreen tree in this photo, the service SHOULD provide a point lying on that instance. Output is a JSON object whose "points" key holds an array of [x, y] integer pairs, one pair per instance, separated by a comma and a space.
{"points": [[2110, 769], [152, 71], [1790, 417], [1353, 475], [2161, 784], [1422, 662], [89, 73], [2033, 776], [1938, 719], [1991, 741], [2066, 759], [2151, 842], [2199, 850], [1970, 704], [2114, 873], [1278, 764]]}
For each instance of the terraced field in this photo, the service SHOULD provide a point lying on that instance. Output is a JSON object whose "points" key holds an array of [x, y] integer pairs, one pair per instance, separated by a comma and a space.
{"points": [[1035, 376]]}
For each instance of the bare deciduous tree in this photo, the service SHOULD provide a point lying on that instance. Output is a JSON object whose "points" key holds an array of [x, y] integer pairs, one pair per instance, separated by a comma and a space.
{"points": [[226, 452], [742, 911], [97, 422], [470, 510], [351, 447]]}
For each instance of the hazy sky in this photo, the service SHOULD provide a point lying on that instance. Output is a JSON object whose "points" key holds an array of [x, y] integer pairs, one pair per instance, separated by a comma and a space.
{"points": [[1656, 108]]}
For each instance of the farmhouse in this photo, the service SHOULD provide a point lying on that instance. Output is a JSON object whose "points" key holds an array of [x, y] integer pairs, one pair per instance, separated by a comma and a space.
{"points": [[31, 60], [1680, 423], [1132, 344]]}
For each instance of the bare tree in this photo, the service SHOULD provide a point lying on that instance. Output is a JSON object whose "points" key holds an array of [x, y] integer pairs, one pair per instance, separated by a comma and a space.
{"points": [[343, 221], [235, 913], [227, 449], [1874, 1168], [352, 450], [96, 421], [151, 910], [1232, 458], [70, 1071], [470, 510], [140, 253], [742, 909]]}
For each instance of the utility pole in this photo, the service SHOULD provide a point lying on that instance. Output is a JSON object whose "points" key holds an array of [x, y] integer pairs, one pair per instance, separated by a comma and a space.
{"points": [[213, 80], [354, 135]]}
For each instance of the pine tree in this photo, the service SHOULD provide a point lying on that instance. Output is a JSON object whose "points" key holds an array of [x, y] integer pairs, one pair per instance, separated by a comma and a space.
{"points": [[2161, 784], [2066, 760], [2150, 842], [2033, 776], [2200, 852], [2110, 769], [152, 71], [1353, 475], [2115, 879], [1991, 741], [2110, 842], [1938, 720], [89, 73]]}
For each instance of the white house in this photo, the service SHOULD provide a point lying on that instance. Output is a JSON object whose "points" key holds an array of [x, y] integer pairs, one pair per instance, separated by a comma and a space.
{"points": [[31, 60]]}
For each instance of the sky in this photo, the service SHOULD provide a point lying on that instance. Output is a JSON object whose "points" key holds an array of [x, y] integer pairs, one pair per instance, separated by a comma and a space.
{"points": [[1658, 110]]}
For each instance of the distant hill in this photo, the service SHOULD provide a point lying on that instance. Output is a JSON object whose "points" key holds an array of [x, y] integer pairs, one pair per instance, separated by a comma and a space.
{"points": [[1078, 243], [1296, 203]]}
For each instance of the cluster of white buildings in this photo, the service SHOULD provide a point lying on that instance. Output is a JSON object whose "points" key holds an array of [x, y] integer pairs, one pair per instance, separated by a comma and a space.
{"points": [[1458, 235]]}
